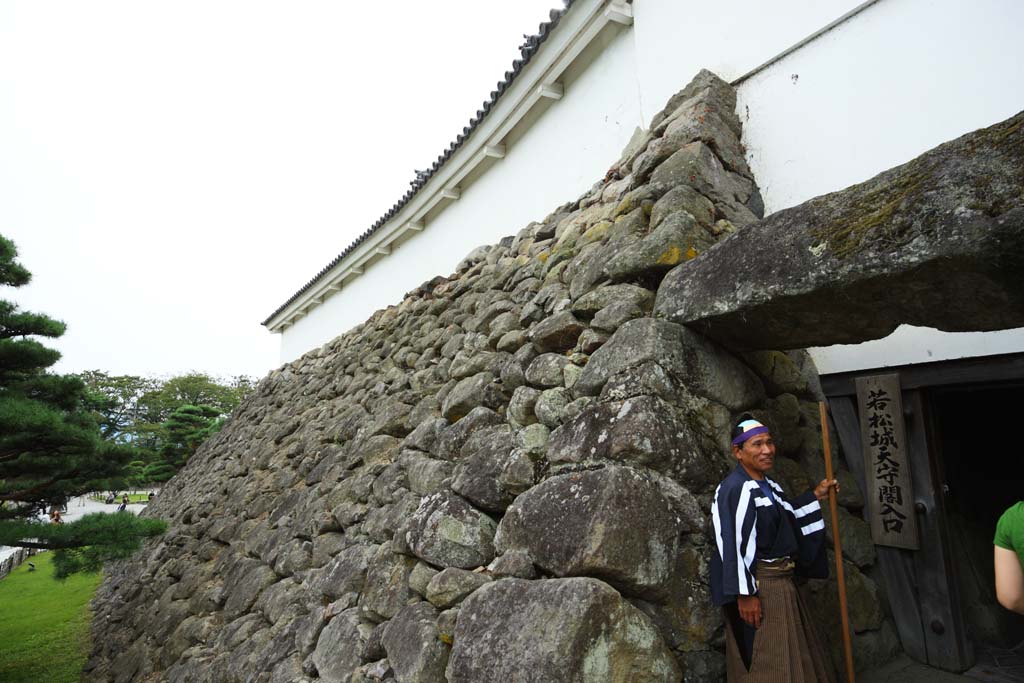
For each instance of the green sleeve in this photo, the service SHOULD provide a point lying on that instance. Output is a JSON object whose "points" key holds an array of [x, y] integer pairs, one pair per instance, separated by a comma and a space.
{"points": [[1010, 529]]}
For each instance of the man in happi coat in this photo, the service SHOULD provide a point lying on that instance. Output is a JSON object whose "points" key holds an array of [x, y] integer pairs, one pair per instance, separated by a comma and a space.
{"points": [[763, 538]]}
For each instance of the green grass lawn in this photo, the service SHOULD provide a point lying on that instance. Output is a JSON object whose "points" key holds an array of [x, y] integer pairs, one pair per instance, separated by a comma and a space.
{"points": [[44, 624]]}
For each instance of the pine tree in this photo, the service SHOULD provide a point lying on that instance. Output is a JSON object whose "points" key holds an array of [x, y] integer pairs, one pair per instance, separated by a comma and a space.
{"points": [[186, 428], [50, 445]]}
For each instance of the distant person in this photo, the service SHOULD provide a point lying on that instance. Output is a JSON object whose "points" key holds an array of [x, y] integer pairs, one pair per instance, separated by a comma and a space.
{"points": [[124, 503], [1009, 558], [55, 517], [151, 494]]}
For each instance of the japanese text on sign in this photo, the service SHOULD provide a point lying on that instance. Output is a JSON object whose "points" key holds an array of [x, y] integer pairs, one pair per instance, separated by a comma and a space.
{"points": [[885, 458]]}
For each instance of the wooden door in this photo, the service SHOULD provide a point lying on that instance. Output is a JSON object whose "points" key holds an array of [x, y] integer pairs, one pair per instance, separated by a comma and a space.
{"points": [[920, 583]]}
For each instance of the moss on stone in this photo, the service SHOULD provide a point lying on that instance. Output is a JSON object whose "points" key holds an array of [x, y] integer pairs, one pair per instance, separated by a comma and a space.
{"points": [[596, 233], [872, 219], [671, 256], [625, 206], [875, 218]]}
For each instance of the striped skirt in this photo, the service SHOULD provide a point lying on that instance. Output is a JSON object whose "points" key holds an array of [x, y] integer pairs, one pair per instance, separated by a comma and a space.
{"points": [[786, 649]]}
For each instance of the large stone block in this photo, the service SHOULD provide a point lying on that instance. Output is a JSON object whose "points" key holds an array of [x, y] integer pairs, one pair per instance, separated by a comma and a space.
{"points": [[446, 531], [566, 630], [602, 297], [337, 650], [556, 333], [638, 431], [451, 586], [387, 584], [346, 573], [413, 645], [706, 369], [484, 457], [584, 524], [472, 392], [677, 239], [454, 437], [936, 242]]}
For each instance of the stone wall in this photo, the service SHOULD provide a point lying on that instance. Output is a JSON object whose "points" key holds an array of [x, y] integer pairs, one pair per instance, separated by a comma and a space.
{"points": [[505, 477], [14, 560]]}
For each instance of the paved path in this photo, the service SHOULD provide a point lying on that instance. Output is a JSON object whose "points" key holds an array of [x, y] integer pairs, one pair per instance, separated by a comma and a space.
{"points": [[77, 507]]}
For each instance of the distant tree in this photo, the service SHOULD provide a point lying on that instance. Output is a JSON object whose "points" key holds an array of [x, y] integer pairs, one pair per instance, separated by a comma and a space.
{"points": [[186, 428], [50, 445], [194, 389], [150, 414], [115, 402], [157, 472]]}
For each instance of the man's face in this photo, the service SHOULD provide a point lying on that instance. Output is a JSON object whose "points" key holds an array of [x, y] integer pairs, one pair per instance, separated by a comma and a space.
{"points": [[757, 455]]}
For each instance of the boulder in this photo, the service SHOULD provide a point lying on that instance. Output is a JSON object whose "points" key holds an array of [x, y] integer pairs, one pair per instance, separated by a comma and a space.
{"points": [[425, 435], [646, 379], [425, 475], [551, 405], [592, 340], [454, 437], [638, 431], [695, 164], [545, 371], [576, 630], [390, 419], [387, 584], [778, 371], [615, 315], [346, 573], [602, 297], [683, 198], [243, 583], [514, 563], [337, 649], [557, 333], [584, 524], [415, 652], [470, 393], [452, 585], [484, 457], [420, 576], [679, 238], [521, 405], [706, 369], [447, 531]]}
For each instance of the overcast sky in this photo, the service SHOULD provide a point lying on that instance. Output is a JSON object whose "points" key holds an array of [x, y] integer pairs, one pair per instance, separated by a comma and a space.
{"points": [[173, 172]]}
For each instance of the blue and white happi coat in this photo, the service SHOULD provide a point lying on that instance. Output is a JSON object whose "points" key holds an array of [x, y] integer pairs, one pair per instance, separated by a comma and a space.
{"points": [[751, 526]]}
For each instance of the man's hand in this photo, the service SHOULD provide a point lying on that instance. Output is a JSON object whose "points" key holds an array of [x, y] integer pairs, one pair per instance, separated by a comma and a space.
{"points": [[750, 609], [821, 490]]}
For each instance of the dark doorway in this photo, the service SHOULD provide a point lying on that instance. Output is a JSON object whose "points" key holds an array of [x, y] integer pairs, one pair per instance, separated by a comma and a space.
{"points": [[981, 469]]}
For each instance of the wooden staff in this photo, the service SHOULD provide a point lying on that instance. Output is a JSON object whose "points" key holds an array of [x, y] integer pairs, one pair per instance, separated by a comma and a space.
{"points": [[840, 576]]}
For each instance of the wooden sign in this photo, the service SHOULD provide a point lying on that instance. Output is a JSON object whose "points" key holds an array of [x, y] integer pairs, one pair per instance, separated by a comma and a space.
{"points": [[886, 463]]}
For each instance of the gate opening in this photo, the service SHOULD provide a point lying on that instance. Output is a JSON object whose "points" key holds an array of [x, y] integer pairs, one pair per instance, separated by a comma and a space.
{"points": [[981, 463]]}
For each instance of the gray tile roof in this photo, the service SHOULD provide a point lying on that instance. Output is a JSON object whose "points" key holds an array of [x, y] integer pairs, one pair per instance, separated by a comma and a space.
{"points": [[527, 50]]}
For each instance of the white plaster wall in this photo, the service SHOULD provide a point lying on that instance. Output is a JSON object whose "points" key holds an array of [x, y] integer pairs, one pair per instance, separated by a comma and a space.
{"points": [[909, 345], [561, 156], [880, 89], [889, 83], [677, 39]]}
